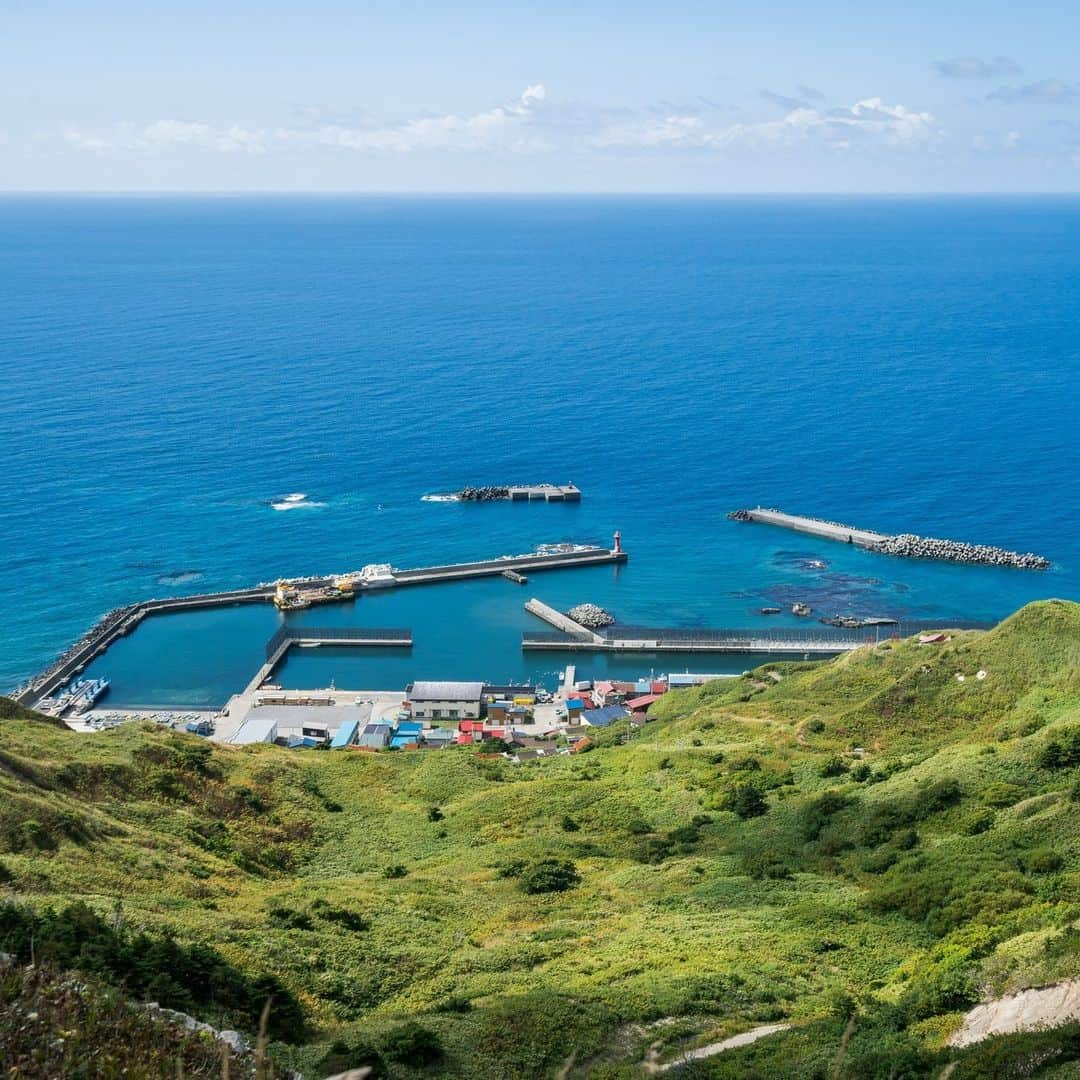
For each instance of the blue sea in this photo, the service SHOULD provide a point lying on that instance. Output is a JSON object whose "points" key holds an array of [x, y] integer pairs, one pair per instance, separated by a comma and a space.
{"points": [[174, 366]]}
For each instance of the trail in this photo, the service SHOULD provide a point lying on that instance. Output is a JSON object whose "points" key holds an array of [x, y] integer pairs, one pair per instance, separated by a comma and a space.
{"points": [[653, 1067]]}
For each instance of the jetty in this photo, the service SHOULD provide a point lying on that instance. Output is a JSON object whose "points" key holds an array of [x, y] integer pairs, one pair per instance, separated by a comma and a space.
{"points": [[513, 493], [905, 545], [121, 621], [288, 636]]}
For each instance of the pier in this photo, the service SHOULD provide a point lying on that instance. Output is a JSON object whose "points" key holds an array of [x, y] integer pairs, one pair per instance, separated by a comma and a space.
{"points": [[123, 620], [830, 530], [288, 636]]}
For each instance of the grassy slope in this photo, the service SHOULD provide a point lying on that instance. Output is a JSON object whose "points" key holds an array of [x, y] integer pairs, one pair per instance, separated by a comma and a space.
{"points": [[885, 893]]}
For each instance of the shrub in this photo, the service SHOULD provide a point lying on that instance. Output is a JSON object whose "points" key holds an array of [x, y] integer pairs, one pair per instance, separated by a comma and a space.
{"points": [[1062, 751], [979, 822], [395, 871], [412, 1045], [1002, 794], [434, 814], [817, 813], [815, 726], [835, 766], [766, 865], [548, 876], [861, 772], [746, 801], [351, 920], [341, 1058], [288, 919], [569, 824], [1042, 861]]}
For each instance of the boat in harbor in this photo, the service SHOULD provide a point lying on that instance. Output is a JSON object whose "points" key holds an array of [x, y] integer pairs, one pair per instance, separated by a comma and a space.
{"points": [[801, 609], [769, 611]]}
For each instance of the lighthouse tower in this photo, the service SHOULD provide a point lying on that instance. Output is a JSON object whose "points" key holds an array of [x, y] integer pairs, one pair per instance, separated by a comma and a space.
{"points": [[617, 549]]}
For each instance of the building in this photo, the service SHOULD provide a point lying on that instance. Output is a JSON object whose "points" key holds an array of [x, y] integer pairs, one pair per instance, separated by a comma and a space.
{"points": [[639, 706], [680, 680], [439, 737], [522, 695], [603, 717], [375, 736], [257, 728], [345, 735], [446, 700]]}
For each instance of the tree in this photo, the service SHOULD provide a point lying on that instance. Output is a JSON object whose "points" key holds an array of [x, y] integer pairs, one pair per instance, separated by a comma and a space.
{"points": [[746, 801], [549, 875]]}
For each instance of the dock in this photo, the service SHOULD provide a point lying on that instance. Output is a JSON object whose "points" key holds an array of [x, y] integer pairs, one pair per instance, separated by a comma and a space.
{"points": [[515, 577], [545, 493], [288, 636], [563, 623], [123, 620]]}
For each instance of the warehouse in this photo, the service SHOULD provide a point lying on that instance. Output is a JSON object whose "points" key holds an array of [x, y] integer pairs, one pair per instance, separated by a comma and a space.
{"points": [[446, 700]]}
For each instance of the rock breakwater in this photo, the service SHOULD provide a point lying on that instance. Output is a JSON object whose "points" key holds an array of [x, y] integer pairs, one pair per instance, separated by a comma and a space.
{"points": [[591, 616], [483, 494], [911, 546]]}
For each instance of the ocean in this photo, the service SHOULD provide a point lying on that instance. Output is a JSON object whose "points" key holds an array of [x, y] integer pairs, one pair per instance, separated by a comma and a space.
{"points": [[175, 366]]}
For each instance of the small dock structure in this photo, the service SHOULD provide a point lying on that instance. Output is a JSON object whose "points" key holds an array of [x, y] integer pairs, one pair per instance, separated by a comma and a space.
{"points": [[288, 636], [515, 577], [545, 493], [830, 530]]}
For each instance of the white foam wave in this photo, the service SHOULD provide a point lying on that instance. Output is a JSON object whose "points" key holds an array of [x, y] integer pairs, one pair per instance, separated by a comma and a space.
{"points": [[297, 500]]}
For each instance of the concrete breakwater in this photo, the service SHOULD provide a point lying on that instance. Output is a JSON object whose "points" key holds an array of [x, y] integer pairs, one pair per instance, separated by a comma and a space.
{"points": [[924, 547], [513, 493], [906, 545], [591, 616]]}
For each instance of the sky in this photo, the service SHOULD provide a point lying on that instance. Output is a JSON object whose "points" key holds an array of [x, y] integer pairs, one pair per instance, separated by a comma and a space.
{"points": [[402, 97]]}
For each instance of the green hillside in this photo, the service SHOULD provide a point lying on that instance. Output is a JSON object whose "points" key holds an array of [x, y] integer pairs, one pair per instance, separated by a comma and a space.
{"points": [[860, 848]]}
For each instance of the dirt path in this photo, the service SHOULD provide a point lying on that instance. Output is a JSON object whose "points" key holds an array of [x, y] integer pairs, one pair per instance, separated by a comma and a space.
{"points": [[652, 1066]]}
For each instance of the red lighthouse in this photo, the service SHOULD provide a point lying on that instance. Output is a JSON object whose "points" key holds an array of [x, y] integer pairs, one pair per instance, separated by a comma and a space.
{"points": [[617, 549]]}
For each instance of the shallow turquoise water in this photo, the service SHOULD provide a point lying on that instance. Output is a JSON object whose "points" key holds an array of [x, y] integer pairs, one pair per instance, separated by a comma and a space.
{"points": [[173, 366]]}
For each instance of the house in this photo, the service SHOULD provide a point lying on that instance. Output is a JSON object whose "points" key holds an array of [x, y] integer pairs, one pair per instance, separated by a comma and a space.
{"points": [[603, 717], [519, 695], [498, 712], [446, 700], [639, 706], [409, 727], [375, 736], [574, 708]]}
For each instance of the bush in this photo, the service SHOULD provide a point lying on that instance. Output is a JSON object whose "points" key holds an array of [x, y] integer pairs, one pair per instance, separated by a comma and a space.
{"points": [[979, 822], [548, 876], [1062, 751], [341, 1058], [412, 1045], [288, 919], [746, 801], [861, 772], [766, 866], [434, 814], [815, 726], [817, 813], [1002, 794], [569, 824], [1042, 861], [395, 871], [835, 766]]}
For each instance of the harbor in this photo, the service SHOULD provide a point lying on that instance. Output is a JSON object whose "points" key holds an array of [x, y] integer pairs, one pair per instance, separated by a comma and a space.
{"points": [[905, 545], [120, 622]]}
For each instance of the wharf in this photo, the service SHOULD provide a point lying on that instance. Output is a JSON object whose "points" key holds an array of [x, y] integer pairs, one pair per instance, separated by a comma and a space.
{"points": [[288, 636], [560, 621], [123, 620], [781, 640]]}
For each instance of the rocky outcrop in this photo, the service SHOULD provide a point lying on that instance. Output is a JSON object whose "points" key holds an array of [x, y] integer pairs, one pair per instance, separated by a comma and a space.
{"points": [[591, 616], [925, 547], [1027, 1010]]}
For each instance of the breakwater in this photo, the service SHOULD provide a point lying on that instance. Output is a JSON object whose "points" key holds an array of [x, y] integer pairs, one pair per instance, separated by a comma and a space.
{"points": [[905, 545], [123, 620], [591, 616], [513, 493]]}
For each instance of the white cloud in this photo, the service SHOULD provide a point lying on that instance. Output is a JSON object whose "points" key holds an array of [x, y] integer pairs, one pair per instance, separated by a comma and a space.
{"points": [[531, 123], [870, 117], [167, 134]]}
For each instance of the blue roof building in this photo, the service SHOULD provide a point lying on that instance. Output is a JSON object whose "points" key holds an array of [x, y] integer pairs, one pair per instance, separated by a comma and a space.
{"points": [[603, 717], [346, 735]]}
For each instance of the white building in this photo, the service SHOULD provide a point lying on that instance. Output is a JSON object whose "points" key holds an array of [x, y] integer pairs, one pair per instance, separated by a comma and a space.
{"points": [[446, 700]]}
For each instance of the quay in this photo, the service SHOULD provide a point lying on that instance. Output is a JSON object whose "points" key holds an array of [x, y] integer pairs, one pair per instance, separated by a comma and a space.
{"points": [[560, 621], [288, 636], [123, 620], [789, 640]]}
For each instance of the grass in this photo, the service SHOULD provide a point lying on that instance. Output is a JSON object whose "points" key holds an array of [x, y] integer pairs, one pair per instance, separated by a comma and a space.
{"points": [[914, 853]]}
